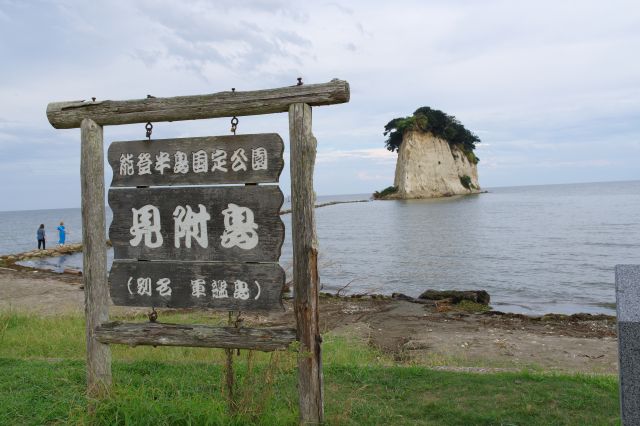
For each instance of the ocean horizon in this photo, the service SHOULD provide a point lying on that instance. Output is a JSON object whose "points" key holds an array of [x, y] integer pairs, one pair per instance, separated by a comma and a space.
{"points": [[367, 195]]}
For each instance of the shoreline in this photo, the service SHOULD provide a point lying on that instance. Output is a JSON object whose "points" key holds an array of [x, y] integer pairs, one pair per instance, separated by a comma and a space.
{"points": [[411, 333], [10, 263], [330, 203]]}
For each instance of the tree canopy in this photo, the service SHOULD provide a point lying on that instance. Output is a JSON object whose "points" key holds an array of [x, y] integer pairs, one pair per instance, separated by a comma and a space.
{"points": [[438, 123]]}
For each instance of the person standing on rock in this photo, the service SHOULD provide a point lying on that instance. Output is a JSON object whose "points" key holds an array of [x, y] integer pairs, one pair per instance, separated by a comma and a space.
{"points": [[62, 234], [41, 237]]}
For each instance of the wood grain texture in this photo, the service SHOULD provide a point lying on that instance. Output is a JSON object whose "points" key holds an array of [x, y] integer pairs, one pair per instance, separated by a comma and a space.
{"points": [[129, 159], [264, 200], [305, 264], [67, 115], [264, 283], [94, 256], [204, 336]]}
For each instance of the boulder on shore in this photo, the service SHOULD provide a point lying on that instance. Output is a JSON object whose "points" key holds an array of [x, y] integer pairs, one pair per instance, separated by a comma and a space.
{"points": [[401, 296], [456, 296]]}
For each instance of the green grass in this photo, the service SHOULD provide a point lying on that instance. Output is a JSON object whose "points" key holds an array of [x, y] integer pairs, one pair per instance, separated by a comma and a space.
{"points": [[42, 382]]}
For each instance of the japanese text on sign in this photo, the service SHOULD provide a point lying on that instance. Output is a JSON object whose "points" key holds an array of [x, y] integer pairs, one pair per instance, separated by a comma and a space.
{"points": [[198, 162], [217, 285], [239, 227], [255, 158], [218, 289], [230, 223]]}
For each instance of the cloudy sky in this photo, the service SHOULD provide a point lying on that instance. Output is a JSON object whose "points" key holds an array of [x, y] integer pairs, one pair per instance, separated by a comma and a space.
{"points": [[551, 87]]}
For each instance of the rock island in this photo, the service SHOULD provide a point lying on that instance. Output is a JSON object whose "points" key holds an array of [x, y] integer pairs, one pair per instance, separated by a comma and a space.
{"points": [[436, 156]]}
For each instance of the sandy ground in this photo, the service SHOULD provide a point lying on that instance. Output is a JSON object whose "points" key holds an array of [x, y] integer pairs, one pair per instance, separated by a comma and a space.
{"points": [[408, 332]]}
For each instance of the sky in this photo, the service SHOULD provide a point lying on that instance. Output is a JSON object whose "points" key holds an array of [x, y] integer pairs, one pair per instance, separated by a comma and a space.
{"points": [[552, 88]]}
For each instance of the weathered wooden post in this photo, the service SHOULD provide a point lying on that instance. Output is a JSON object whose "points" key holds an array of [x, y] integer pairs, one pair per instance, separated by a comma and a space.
{"points": [[628, 313], [305, 266], [94, 255]]}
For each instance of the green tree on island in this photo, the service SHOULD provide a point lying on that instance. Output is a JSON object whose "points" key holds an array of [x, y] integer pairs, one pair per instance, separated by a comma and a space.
{"points": [[434, 121]]}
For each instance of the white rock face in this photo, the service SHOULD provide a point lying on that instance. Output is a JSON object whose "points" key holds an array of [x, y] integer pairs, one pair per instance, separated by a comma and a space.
{"points": [[428, 167]]}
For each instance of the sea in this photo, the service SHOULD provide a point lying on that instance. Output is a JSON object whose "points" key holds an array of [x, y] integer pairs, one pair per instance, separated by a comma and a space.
{"points": [[535, 249]]}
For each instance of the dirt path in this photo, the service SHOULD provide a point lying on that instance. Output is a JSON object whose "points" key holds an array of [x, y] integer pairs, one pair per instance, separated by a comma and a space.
{"points": [[407, 331], [40, 292]]}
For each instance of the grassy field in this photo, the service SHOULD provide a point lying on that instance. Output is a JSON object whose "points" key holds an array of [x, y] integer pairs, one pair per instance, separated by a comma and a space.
{"points": [[42, 382]]}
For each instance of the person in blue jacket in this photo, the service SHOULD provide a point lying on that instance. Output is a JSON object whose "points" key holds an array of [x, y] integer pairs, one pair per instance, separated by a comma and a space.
{"points": [[62, 234], [40, 235]]}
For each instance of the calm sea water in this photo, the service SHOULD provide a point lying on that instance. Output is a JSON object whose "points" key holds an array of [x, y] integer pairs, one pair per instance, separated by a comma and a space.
{"points": [[535, 249]]}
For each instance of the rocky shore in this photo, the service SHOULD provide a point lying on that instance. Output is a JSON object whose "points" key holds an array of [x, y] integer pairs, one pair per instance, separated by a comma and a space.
{"points": [[419, 333], [11, 260], [439, 328]]}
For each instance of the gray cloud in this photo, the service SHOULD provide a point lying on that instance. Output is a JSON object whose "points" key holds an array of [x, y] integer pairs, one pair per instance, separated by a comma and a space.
{"points": [[233, 36], [548, 86]]}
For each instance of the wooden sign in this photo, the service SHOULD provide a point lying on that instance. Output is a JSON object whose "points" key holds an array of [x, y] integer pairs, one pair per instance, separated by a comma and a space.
{"points": [[225, 286], [197, 161], [236, 224], [233, 223]]}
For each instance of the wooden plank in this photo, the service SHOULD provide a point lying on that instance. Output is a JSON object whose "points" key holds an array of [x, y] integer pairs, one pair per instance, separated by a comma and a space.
{"points": [[305, 264], [197, 161], [202, 336], [161, 238], [249, 287], [67, 115], [94, 256]]}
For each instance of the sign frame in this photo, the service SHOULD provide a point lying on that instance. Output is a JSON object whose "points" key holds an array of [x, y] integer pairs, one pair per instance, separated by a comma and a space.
{"points": [[297, 100]]}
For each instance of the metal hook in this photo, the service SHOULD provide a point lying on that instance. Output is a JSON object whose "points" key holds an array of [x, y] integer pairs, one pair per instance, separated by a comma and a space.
{"points": [[234, 124], [149, 128], [153, 315]]}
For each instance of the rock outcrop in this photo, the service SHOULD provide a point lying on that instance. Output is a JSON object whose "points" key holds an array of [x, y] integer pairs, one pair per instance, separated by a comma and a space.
{"points": [[429, 167], [456, 296]]}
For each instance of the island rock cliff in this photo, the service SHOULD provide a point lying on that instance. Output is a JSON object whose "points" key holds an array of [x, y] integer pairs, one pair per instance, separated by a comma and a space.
{"points": [[429, 166]]}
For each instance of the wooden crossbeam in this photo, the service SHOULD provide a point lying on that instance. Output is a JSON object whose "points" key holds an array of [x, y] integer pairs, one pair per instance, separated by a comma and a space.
{"points": [[68, 115], [204, 336]]}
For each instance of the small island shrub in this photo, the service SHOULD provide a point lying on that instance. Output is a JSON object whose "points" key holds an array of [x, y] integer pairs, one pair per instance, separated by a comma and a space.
{"points": [[385, 192], [471, 156], [466, 182], [438, 123]]}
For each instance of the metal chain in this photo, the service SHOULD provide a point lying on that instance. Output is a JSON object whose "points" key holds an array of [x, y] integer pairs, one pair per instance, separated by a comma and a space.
{"points": [[149, 126], [237, 324], [234, 120], [234, 124]]}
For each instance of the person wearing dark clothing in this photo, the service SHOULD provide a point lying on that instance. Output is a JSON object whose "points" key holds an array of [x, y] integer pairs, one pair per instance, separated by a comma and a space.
{"points": [[41, 237]]}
